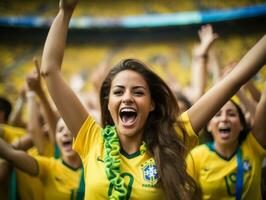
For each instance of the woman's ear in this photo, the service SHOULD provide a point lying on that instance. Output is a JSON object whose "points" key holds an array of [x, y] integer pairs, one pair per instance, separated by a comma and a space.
{"points": [[209, 129], [152, 106]]}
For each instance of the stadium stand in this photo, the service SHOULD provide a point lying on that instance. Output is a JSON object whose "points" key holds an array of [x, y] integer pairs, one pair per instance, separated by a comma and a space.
{"points": [[16, 58]]}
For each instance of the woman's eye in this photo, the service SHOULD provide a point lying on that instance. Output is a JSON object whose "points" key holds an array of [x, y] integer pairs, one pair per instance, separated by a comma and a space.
{"points": [[232, 114], [217, 115], [117, 92], [60, 129], [139, 93]]}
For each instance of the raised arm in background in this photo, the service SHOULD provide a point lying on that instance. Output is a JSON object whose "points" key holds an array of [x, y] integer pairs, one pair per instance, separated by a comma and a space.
{"points": [[15, 118], [213, 65], [259, 125], [67, 102], [221, 92], [200, 60], [248, 103], [34, 126], [34, 84], [255, 93]]}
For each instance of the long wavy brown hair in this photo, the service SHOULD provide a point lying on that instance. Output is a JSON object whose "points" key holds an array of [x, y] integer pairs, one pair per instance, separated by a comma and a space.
{"points": [[163, 142]]}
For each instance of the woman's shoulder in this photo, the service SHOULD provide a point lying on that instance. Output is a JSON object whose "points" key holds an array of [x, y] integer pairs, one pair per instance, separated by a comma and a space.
{"points": [[200, 149], [251, 144]]}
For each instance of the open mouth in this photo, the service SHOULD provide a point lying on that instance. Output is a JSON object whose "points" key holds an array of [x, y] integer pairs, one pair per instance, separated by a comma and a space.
{"points": [[67, 145], [128, 116], [225, 132]]}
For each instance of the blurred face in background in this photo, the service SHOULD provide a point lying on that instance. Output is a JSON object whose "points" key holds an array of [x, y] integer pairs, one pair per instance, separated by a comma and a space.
{"points": [[225, 126], [64, 139]]}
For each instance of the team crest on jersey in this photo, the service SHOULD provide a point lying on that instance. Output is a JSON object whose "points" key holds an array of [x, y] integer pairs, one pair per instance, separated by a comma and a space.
{"points": [[246, 165], [149, 171]]}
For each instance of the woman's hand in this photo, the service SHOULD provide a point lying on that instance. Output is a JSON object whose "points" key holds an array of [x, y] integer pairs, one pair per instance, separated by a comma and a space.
{"points": [[68, 4], [34, 78], [207, 37]]}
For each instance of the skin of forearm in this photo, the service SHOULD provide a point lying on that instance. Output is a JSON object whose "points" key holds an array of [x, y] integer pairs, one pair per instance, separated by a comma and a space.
{"points": [[255, 93], [18, 158], [259, 122], [33, 125], [5, 149], [49, 114], [51, 70], [248, 103], [24, 143], [16, 115], [53, 49], [23, 161], [252, 61], [199, 67]]}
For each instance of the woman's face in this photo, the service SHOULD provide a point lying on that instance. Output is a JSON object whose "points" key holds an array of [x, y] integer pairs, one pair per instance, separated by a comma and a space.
{"points": [[129, 103], [225, 126], [64, 139]]}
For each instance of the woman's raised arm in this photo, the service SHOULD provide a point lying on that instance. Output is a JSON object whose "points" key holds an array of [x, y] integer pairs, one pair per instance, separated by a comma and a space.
{"points": [[66, 101], [259, 128], [207, 106]]}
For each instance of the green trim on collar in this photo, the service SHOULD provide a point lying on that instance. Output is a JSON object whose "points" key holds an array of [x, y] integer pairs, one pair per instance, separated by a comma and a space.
{"points": [[130, 156], [70, 167], [210, 145]]}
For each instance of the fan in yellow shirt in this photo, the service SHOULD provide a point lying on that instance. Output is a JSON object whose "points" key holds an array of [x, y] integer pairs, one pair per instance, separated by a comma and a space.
{"points": [[61, 178], [10, 133], [19, 139], [138, 169], [140, 151], [230, 166], [24, 183]]}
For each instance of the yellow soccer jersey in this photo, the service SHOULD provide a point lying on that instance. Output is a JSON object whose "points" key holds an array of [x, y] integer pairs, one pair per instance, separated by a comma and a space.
{"points": [[217, 176], [29, 187], [11, 133], [139, 171], [193, 139], [59, 180]]}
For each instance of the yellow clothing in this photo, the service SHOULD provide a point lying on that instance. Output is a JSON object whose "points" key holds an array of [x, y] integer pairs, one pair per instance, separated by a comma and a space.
{"points": [[12, 133], [60, 181], [139, 171], [29, 187], [193, 139], [217, 176]]}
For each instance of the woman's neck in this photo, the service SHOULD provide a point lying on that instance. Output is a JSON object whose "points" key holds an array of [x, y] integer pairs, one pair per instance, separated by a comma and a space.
{"points": [[73, 161], [130, 145], [226, 150]]}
